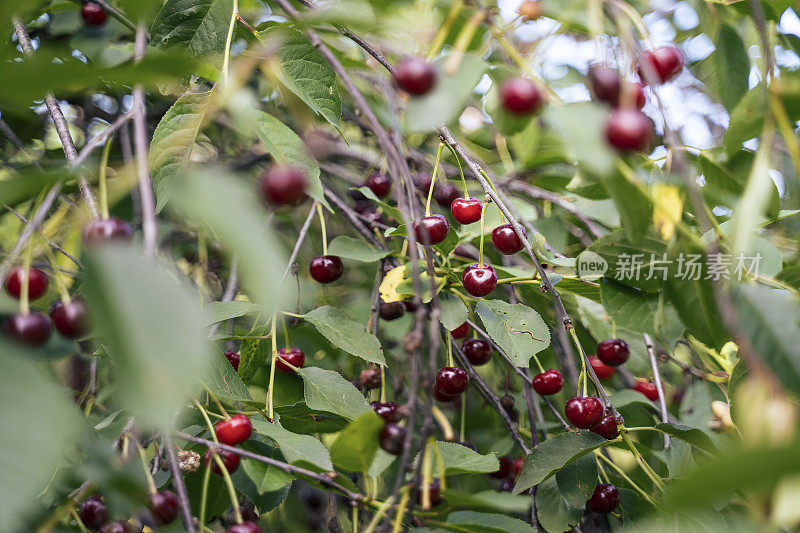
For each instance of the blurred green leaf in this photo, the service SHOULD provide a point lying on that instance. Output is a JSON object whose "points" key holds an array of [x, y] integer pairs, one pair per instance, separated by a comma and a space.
{"points": [[472, 522], [517, 329], [355, 249], [355, 447], [220, 311], [346, 334], [581, 126], [731, 66]]}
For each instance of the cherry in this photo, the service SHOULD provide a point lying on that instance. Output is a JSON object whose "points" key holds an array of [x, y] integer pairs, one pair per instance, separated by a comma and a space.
{"points": [[466, 210], [604, 499], [641, 98], [233, 359], [507, 401], [506, 240], [164, 507], [70, 318], [293, 356], [392, 438], [434, 492], [380, 184], [106, 230], [647, 388], [281, 185], [477, 351], [244, 527], [505, 465], [386, 410], [410, 306], [451, 380], [93, 512], [548, 382], [520, 96], [530, 10], [661, 64], [584, 412], [507, 485], [422, 181], [93, 14], [391, 310], [461, 331], [446, 193], [607, 428], [629, 130], [602, 370], [234, 430], [605, 83], [371, 216], [613, 352], [440, 396], [435, 227], [370, 378], [37, 282], [32, 329], [326, 268], [479, 281], [415, 75], [516, 467], [229, 459], [119, 526]]}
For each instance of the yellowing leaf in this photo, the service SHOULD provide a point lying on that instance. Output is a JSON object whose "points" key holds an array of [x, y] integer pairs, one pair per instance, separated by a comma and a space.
{"points": [[391, 281], [667, 209]]}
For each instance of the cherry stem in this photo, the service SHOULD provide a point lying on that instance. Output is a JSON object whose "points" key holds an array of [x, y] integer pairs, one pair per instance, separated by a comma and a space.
{"points": [[427, 475], [397, 527], [440, 463], [24, 300], [624, 476], [229, 484], [355, 518], [285, 331], [322, 227], [204, 495], [462, 433], [216, 401], [441, 35], [57, 275], [639, 459], [444, 424], [483, 225], [102, 186], [449, 350], [460, 171], [538, 363], [151, 484], [208, 421], [379, 514], [272, 368], [433, 180], [383, 384], [516, 279]]}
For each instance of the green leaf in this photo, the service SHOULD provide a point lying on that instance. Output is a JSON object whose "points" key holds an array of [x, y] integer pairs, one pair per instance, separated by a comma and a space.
{"points": [[731, 66], [640, 311], [517, 329], [459, 459], [355, 447], [220, 311], [693, 436], [264, 478], [454, 312], [746, 119], [634, 206], [252, 354], [577, 480], [224, 382], [472, 522], [198, 26], [153, 329], [554, 454], [173, 141], [581, 126], [20, 187], [555, 514], [615, 248], [487, 500], [355, 249], [294, 447], [345, 333], [326, 390]]}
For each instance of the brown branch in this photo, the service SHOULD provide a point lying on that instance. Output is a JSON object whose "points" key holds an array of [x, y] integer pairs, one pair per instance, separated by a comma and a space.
{"points": [[648, 343], [180, 487], [300, 238], [102, 136]]}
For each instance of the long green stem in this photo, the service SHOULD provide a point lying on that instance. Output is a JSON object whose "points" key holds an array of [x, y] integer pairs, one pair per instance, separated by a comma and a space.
{"points": [[204, 495], [102, 183], [231, 489], [401, 511], [151, 484], [460, 171], [433, 180], [483, 226], [322, 228], [449, 349], [24, 300], [639, 459], [462, 433], [383, 384], [624, 476], [441, 35], [208, 421], [272, 368], [379, 514]]}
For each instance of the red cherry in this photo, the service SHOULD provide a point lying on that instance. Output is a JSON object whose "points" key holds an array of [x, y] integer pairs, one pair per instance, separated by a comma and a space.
{"points": [[229, 459], [434, 227], [164, 507], [504, 468], [244, 527], [70, 319], [641, 98], [283, 185], [647, 388], [661, 64], [507, 485], [629, 130], [451, 380], [392, 438], [37, 282], [517, 466], [477, 351], [326, 268], [506, 240], [422, 181], [607, 428], [410, 306], [386, 410], [461, 331], [370, 378], [415, 75], [32, 329], [293, 356], [520, 96], [391, 310], [440, 396], [446, 193], [613, 352], [93, 512], [548, 382], [233, 359], [605, 83], [93, 14], [602, 370], [119, 526], [379, 184], [604, 499], [584, 411], [106, 230], [466, 210], [479, 281], [234, 430], [434, 492]]}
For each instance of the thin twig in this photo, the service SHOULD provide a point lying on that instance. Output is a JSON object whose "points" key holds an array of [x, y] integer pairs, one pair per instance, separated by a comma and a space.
{"points": [[230, 290], [100, 138], [52, 244], [662, 402], [300, 238], [180, 487]]}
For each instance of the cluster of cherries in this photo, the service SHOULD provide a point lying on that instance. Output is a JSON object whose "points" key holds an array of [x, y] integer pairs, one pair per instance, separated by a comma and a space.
{"points": [[162, 507], [603, 367], [288, 358]]}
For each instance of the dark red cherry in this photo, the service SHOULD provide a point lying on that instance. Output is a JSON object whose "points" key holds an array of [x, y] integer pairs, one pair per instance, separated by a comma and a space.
{"points": [[434, 492], [613, 352], [477, 351], [639, 97], [629, 130], [244, 527], [662, 64], [37, 282], [520, 96], [451, 380], [370, 378], [584, 411], [106, 230], [70, 319], [410, 306], [120, 526], [281, 185], [433, 227], [392, 438], [516, 467], [604, 499], [446, 193], [507, 485], [386, 410], [93, 14], [391, 310], [229, 459], [548, 382], [371, 217], [93, 512], [422, 181], [602, 370], [504, 468], [164, 507], [380, 184], [415, 75], [326, 268], [234, 430], [605, 83], [461, 331], [293, 356], [607, 428], [647, 388], [506, 240], [32, 329], [466, 210], [479, 281], [233, 359], [440, 396]]}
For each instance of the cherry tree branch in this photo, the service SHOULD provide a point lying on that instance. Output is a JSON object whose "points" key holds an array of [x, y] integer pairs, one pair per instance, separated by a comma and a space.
{"points": [[102, 136], [180, 486], [648, 342], [300, 238]]}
